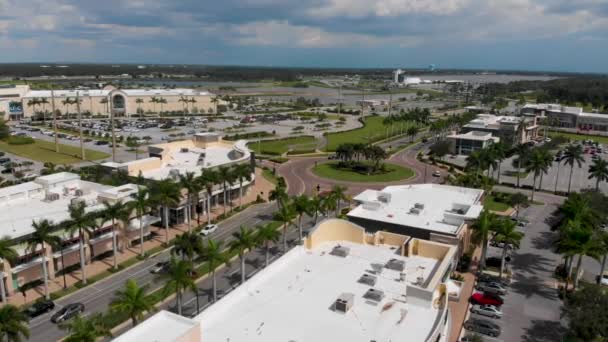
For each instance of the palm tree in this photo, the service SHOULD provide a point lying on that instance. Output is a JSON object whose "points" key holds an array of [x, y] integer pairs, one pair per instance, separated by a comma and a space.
{"points": [[573, 154], [499, 150], [184, 101], [179, 280], [508, 234], [104, 101], [301, 205], [208, 179], [193, 101], [141, 204], [139, 110], [113, 212], [215, 101], [44, 101], [165, 193], [86, 329], [187, 245], [80, 222], [266, 236], [162, 101], [8, 253], [475, 161], [603, 238], [242, 173], [132, 301], [599, 171], [284, 215], [213, 254], [579, 239], [338, 193], [224, 175], [13, 324], [279, 194], [189, 182], [411, 132], [42, 236], [522, 151], [244, 240], [481, 228], [316, 205], [537, 163]]}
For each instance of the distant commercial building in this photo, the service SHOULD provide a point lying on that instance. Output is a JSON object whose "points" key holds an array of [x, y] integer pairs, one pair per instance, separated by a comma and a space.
{"points": [[49, 197], [568, 117], [434, 212], [341, 284], [18, 102], [465, 144], [400, 78], [510, 129], [372, 103], [203, 151]]}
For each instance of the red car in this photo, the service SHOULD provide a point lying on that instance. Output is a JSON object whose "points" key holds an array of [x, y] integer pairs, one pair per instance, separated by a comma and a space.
{"points": [[484, 298]]}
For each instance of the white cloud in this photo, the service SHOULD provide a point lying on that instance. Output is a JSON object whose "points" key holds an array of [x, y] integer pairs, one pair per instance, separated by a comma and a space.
{"points": [[387, 8]]}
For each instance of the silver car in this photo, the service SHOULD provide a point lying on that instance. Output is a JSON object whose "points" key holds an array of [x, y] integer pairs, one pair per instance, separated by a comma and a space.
{"points": [[487, 310], [491, 287]]}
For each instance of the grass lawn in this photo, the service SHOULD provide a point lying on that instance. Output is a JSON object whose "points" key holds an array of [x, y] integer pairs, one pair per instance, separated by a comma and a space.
{"points": [[330, 170], [373, 130], [44, 151], [574, 136], [267, 174], [280, 146], [491, 204]]}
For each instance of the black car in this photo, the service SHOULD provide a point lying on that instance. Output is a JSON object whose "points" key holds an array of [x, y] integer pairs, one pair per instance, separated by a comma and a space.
{"points": [[101, 142], [483, 326], [67, 312], [39, 308]]}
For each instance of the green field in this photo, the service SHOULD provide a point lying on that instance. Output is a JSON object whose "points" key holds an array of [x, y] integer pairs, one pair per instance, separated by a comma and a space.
{"points": [[44, 151], [280, 146], [329, 170], [490, 203], [574, 136], [373, 130]]}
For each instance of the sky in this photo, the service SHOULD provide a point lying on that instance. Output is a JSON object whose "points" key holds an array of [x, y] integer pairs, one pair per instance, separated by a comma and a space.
{"points": [[548, 35]]}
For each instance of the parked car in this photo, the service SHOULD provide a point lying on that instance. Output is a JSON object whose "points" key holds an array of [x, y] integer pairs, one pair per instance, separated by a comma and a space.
{"points": [[495, 261], [160, 267], [4, 160], [67, 312], [486, 299], [483, 326], [437, 173], [604, 279], [39, 308], [487, 310], [487, 278], [491, 287], [101, 142], [208, 229], [471, 338]]}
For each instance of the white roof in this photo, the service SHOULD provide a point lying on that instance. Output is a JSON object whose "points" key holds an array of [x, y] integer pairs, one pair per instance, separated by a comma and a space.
{"points": [[292, 300], [443, 208], [475, 135], [164, 326], [106, 92]]}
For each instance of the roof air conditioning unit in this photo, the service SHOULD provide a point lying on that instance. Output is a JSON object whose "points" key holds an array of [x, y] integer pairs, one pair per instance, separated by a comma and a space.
{"points": [[51, 196], [374, 295], [395, 265], [415, 211], [340, 251], [184, 150], [78, 192], [344, 302], [419, 206], [368, 279]]}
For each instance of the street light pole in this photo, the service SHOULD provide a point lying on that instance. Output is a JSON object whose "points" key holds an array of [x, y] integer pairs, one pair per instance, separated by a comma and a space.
{"points": [[83, 157], [110, 101]]}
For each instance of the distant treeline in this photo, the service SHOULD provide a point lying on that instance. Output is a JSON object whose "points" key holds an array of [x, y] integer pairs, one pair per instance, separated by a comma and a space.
{"points": [[578, 90]]}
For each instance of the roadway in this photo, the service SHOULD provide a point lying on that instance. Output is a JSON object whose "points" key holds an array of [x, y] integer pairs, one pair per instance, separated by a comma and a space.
{"points": [[98, 296]]}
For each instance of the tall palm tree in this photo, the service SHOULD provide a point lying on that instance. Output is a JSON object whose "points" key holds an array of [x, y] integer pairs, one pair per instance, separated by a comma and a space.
{"points": [[184, 101], [86, 329], [603, 239], [104, 101], [8, 253], [187, 245], [139, 110], [132, 300], [165, 193], [162, 101], [301, 205], [81, 223], [154, 101], [579, 240], [573, 154], [522, 151], [338, 193], [242, 173], [214, 256], [244, 240], [42, 236], [192, 100], [500, 153], [279, 194], [285, 215], [475, 161], [537, 163], [215, 101], [179, 280], [507, 233], [208, 179], [224, 175], [13, 324], [266, 236], [44, 101], [481, 229], [141, 204], [113, 212], [599, 171], [316, 205], [189, 182]]}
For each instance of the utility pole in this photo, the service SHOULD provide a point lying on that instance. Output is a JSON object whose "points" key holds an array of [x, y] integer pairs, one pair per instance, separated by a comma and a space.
{"points": [[54, 119], [112, 127], [82, 155]]}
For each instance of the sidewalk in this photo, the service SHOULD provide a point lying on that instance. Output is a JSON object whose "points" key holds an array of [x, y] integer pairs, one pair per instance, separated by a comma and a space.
{"points": [[97, 267], [460, 310]]}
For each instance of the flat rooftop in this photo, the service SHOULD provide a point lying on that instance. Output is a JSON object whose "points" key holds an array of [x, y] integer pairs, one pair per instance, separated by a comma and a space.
{"points": [[434, 207], [292, 299], [163, 326], [129, 92], [475, 135]]}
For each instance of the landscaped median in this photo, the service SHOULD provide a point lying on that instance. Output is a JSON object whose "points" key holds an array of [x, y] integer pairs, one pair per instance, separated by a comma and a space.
{"points": [[44, 151], [303, 144], [390, 173], [374, 129]]}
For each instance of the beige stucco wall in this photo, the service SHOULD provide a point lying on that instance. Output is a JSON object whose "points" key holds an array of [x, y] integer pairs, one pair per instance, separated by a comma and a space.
{"points": [[335, 230], [143, 165], [70, 259]]}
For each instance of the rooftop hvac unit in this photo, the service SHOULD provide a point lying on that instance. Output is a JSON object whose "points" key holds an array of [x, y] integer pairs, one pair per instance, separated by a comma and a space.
{"points": [[368, 279], [415, 211], [51, 196], [77, 201], [184, 150], [78, 192], [384, 197], [344, 302], [374, 295], [340, 251], [419, 206], [395, 265]]}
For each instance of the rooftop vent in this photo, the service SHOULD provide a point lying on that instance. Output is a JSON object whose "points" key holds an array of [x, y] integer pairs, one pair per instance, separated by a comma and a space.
{"points": [[395, 265], [184, 150], [374, 295], [368, 279], [344, 302], [78, 192], [415, 211], [419, 206], [340, 251], [51, 196]]}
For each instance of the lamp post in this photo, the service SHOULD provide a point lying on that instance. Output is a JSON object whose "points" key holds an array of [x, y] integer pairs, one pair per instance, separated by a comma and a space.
{"points": [[80, 125], [111, 102]]}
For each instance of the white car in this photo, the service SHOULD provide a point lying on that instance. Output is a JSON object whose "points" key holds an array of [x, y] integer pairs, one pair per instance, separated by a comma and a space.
{"points": [[208, 229], [487, 310], [604, 280]]}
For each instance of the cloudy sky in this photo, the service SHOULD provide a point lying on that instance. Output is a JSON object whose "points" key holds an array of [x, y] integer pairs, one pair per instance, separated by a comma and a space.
{"points": [[564, 35]]}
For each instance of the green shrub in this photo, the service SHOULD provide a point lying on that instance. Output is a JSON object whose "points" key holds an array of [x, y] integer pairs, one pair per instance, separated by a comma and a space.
{"points": [[16, 140]]}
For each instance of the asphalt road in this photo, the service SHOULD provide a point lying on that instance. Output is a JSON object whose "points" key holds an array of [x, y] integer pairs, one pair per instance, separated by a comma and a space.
{"points": [[97, 297]]}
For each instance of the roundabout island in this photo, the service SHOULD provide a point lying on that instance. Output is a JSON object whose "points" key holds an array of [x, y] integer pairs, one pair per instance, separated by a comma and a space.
{"points": [[362, 173]]}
